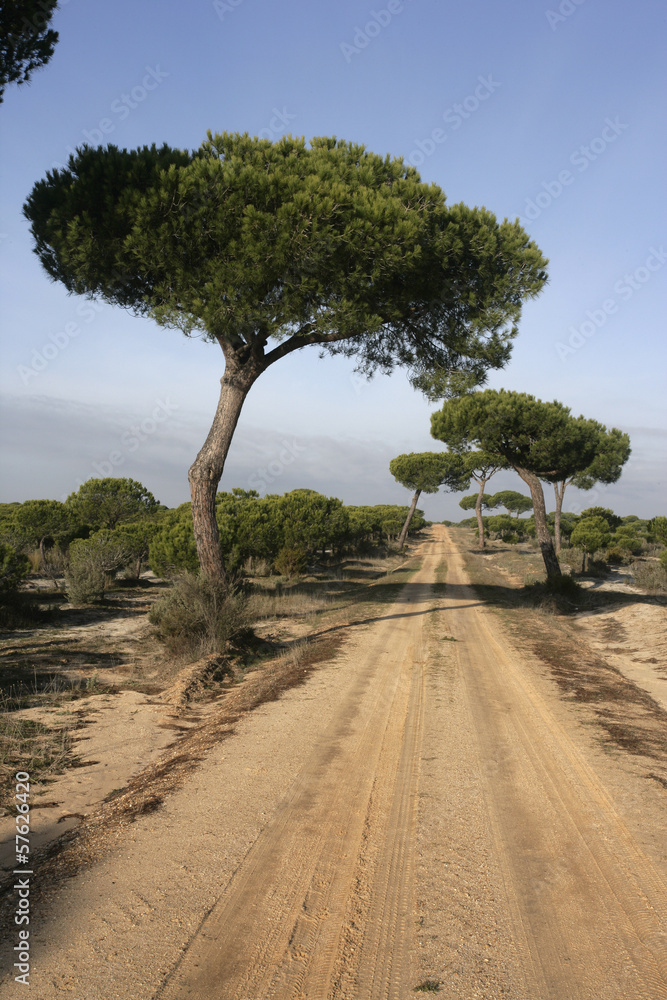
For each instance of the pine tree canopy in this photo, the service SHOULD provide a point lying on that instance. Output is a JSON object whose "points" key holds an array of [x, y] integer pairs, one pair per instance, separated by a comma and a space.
{"points": [[26, 40], [543, 438], [245, 241], [427, 471]]}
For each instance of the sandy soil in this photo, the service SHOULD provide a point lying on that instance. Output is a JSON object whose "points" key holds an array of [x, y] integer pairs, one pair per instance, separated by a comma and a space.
{"points": [[122, 733], [634, 640], [425, 812]]}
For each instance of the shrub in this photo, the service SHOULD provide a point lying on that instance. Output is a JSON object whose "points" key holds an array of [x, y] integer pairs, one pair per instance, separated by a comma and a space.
{"points": [[651, 576], [35, 560], [657, 528], [627, 539], [663, 558], [572, 557], [135, 539], [200, 616], [556, 594], [55, 565], [14, 568], [173, 550], [93, 562], [613, 521], [84, 583], [290, 561], [591, 533], [509, 529], [16, 610]]}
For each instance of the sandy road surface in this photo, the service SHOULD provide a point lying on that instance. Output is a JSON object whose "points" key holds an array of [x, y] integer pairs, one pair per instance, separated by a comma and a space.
{"points": [[323, 902], [581, 907], [420, 810]]}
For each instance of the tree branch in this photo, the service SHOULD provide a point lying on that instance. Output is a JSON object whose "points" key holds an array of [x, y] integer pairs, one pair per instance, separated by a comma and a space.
{"points": [[301, 339]]}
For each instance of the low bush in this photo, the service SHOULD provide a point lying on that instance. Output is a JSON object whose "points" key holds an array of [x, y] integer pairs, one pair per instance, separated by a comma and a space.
{"points": [[200, 616], [561, 586], [54, 565], [14, 568], [18, 610], [650, 576], [93, 564], [556, 594], [290, 561], [572, 557], [84, 583]]}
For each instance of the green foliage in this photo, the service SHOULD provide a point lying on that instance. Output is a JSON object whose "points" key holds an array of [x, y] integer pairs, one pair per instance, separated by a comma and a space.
{"points": [[427, 471], [248, 240], [14, 568], [613, 521], [663, 559], [311, 521], [135, 539], [36, 521], [26, 40], [482, 465], [109, 550], [541, 441], [567, 522], [626, 538], [611, 453], [84, 582], [368, 526], [173, 549], [259, 527], [290, 561], [511, 500], [469, 502], [658, 529], [509, 529], [105, 503], [591, 533], [268, 247], [92, 561], [438, 384], [200, 616], [541, 437]]}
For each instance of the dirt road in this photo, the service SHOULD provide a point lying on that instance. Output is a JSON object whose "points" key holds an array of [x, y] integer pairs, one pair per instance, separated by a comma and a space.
{"points": [[580, 905], [424, 813]]}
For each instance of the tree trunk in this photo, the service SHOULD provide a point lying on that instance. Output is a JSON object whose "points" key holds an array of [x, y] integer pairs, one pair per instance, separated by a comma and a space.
{"points": [[478, 512], [404, 532], [206, 470], [559, 490], [539, 509]]}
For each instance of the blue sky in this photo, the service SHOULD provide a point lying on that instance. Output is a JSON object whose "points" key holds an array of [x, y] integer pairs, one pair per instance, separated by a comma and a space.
{"points": [[550, 112]]}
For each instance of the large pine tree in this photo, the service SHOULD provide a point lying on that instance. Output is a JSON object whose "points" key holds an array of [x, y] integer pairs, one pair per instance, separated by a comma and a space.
{"points": [[265, 248]]}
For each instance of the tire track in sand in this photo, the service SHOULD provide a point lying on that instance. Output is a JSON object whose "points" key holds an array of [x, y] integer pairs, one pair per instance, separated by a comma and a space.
{"points": [[322, 904], [588, 909]]}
